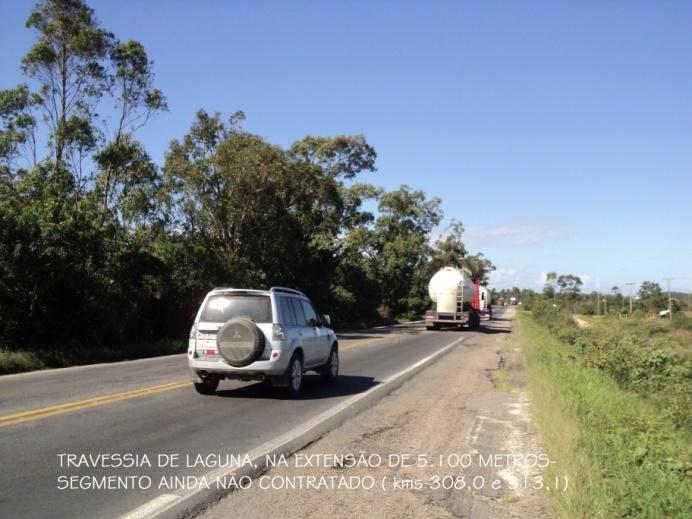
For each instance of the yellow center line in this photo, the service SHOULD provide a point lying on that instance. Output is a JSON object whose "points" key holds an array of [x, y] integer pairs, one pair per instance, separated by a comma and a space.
{"points": [[364, 342], [70, 407], [78, 405]]}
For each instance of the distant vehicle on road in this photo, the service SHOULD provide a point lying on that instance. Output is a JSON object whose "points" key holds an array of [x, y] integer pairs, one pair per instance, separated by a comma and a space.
{"points": [[512, 300], [273, 335], [457, 299]]}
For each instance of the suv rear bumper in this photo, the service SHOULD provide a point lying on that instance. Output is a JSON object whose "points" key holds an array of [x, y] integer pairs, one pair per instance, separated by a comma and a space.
{"points": [[258, 370]]}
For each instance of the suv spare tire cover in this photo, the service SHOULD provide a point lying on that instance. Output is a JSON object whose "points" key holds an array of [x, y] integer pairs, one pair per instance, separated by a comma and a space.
{"points": [[240, 342]]}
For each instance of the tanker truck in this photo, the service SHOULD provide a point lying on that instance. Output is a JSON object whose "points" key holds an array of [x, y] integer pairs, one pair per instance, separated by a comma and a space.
{"points": [[456, 299]]}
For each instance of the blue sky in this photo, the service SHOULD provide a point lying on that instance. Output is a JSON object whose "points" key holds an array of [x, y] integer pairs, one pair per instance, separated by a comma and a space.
{"points": [[559, 133]]}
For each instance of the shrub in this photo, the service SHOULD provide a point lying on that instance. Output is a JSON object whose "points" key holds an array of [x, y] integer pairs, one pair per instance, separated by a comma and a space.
{"points": [[553, 317], [17, 361], [640, 355], [682, 322]]}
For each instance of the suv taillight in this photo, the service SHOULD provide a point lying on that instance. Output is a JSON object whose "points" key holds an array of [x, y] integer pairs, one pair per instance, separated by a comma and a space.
{"points": [[278, 333], [193, 331]]}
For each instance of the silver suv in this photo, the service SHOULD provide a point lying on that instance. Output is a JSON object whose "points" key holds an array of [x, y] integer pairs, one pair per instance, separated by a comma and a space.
{"points": [[273, 335]]}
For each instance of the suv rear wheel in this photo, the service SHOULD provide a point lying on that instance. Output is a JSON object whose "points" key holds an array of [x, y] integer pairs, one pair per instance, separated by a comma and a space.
{"points": [[207, 386], [330, 370], [295, 375]]}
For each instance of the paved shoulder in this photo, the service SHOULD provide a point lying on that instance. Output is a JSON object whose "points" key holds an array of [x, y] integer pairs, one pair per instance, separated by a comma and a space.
{"points": [[420, 452]]}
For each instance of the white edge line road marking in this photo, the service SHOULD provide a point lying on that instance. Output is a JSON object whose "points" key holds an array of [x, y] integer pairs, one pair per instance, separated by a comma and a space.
{"points": [[147, 510], [258, 455]]}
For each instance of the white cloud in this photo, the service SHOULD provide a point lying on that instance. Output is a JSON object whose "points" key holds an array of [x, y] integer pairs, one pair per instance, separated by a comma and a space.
{"points": [[516, 233], [524, 276], [586, 279], [505, 277]]}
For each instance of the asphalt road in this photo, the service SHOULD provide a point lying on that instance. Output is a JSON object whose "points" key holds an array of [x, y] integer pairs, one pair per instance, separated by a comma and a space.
{"points": [[148, 407]]}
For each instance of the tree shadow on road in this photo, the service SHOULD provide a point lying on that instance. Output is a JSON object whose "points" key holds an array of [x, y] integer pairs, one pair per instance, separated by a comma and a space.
{"points": [[313, 388]]}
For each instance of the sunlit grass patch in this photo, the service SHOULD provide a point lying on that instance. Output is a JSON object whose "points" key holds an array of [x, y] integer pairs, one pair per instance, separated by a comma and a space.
{"points": [[622, 457]]}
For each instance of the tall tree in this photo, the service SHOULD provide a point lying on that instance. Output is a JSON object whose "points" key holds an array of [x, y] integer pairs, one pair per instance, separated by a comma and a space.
{"points": [[17, 133], [64, 261], [341, 156], [401, 234], [570, 286], [270, 215], [652, 296], [68, 62], [549, 289], [125, 168], [480, 267], [448, 251]]}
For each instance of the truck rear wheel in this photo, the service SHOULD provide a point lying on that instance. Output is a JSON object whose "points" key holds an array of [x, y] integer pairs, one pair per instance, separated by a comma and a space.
{"points": [[474, 319]]}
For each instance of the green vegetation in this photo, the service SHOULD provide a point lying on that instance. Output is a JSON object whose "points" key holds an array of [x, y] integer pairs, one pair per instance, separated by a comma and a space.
{"points": [[612, 403], [101, 250], [682, 322], [16, 361], [22, 360]]}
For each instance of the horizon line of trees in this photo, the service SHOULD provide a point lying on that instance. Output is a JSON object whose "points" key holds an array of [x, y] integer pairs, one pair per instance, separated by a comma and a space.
{"points": [[100, 246], [566, 289]]}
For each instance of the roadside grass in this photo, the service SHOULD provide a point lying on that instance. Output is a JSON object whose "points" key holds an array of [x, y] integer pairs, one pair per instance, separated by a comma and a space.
{"points": [[12, 361], [675, 335], [622, 457], [682, 321]]}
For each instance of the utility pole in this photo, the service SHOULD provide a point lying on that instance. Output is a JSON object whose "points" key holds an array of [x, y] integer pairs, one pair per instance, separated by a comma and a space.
{"points": [[598, 303], [630, 285], [670, 301]]}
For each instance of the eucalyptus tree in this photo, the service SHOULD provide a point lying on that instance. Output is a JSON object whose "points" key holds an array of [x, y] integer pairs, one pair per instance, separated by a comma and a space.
{"points": [[126, 172], [448, 250], [67, 61], [65, 256], [550, 290], [78, 66], [18, 130]]}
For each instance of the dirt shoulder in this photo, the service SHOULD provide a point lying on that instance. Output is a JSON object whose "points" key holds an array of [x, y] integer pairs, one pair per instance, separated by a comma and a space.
{"points": [[464, 415]]}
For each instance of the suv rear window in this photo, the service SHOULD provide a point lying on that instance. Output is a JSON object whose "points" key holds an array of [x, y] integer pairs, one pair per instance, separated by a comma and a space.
{"points": [[221, 308]]}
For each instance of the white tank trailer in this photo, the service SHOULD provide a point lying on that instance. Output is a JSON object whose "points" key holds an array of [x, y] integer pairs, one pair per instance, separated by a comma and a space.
{"points": [[454, 294]]}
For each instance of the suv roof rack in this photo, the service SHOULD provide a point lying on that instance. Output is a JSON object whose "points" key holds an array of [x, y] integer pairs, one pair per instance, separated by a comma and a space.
{"points": [[223, 288], [287, 291]]}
